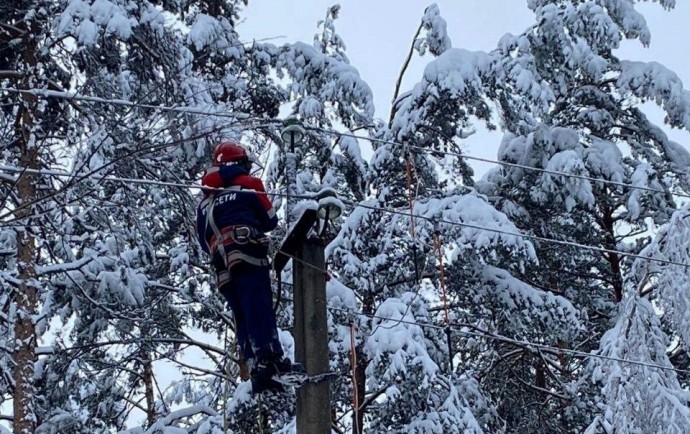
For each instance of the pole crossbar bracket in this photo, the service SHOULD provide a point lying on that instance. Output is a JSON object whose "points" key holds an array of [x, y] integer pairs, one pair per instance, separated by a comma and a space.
{"points": [[294, 238]]}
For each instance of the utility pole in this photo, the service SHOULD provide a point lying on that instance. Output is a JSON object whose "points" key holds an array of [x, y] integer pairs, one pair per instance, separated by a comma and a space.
{"points": [[307, 244], [311, 327], [311, 336]]}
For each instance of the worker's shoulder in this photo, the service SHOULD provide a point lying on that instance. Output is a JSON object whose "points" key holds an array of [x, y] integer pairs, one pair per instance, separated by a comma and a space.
{"points": [[250, 182]]}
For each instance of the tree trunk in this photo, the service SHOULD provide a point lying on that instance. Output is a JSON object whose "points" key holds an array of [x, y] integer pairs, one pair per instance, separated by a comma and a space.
{"points": [[613, 259], [148, 385], [26, 300], [360, 374], [360, 381], [27, 295]]}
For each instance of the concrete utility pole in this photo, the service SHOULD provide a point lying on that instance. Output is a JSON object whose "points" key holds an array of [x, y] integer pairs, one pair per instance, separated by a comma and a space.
{"points": [[311, 327], [311, 336], [306, 242]]}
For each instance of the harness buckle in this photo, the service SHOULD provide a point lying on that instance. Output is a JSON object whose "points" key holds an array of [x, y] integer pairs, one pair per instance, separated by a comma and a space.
{"points": [[242, 235]]}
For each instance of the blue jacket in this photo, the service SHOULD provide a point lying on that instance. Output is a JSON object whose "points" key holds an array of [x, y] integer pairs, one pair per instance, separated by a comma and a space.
{"points": [[242, 203]]}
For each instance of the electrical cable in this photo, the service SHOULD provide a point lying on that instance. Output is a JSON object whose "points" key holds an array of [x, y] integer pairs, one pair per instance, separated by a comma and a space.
{"points": [[65, 95], [390, 211], [119, 102], [488, 335], [502, 163]]}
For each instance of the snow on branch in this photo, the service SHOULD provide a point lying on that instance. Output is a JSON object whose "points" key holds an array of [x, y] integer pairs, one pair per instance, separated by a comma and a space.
{"points": [[672, 282], [326, 79], [652, 81], [436, 40], [473, 211], [629, 390], [63, 267], [168, 423], [529, 309], [400, 344]]}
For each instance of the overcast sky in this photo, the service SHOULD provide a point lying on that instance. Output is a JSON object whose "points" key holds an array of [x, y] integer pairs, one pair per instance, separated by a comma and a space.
{"points": [[378, 34]]}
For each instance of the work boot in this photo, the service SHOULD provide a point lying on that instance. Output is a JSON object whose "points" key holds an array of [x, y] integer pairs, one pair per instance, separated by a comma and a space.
{"points": [[285, 366], [264, 373], [262, 379]]}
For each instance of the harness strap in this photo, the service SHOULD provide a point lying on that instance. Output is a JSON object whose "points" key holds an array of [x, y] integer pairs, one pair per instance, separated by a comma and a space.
{"points": [[238, 234], [210, 221], [231, 233]]}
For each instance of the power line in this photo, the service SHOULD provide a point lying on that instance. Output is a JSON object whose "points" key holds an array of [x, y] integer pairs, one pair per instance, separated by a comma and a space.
{"points": [[488, 335], [502, 163], [533, 237], [145, 182], [382, 209], [44, 93], [244, 116], [485, 334]]}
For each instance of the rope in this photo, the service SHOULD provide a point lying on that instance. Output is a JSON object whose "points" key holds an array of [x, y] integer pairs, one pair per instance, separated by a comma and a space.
{"points": [[226, 387], [355, 389], [415, 258]]}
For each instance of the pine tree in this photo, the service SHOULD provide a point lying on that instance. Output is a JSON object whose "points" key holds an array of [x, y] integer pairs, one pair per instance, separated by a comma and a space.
{"points": [[568, 104], [639, 336], [31, 132], [408, 164]]}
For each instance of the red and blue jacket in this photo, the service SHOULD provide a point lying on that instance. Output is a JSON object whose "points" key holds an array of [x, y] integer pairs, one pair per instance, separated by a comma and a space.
{"points": [[231, 223]]}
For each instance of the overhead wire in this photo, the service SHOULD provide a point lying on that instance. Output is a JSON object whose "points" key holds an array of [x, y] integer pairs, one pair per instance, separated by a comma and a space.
{"points": [[502, 163], [487, 335], [189, 110], [238, 115], [45, 93], [392, 211], [460, 328]]}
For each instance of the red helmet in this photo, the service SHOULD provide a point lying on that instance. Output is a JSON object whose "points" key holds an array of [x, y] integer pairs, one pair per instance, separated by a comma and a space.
{"points": [[229, 152]]}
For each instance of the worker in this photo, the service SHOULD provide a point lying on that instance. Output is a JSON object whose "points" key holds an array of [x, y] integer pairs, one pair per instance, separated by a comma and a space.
{"points": [[232, 220]]}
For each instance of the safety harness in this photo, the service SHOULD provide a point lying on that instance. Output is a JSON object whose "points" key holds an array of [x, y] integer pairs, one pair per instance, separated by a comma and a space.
{"points": [[239, 235]]}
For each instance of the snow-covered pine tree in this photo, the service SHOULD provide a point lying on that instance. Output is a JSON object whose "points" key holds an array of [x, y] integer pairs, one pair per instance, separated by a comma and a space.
{"points": [[227, 75], [568, 104], [115, 332], [629, 390], [33, 138], [407, 365]]}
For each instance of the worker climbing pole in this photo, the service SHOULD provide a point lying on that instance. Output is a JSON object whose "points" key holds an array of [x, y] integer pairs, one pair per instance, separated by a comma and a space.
{"points": [[232, 219]]}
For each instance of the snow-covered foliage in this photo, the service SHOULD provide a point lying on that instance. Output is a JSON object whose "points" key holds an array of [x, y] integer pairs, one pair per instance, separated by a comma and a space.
{"points": [[436, 38], [640, 392], [459, 311]]}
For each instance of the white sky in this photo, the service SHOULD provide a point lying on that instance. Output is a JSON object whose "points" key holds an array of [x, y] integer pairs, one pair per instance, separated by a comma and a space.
{"points": [[378, 35]]}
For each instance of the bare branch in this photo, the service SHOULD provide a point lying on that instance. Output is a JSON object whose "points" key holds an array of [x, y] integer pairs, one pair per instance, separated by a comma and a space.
{"points": [[406, 63]]}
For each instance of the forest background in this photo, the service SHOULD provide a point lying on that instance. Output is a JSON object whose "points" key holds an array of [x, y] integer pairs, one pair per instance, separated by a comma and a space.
{"points": [[545, 293]]}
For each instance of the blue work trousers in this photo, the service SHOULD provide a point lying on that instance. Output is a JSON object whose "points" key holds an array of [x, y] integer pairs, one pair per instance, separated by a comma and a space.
{"points": [[249, 295]]}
